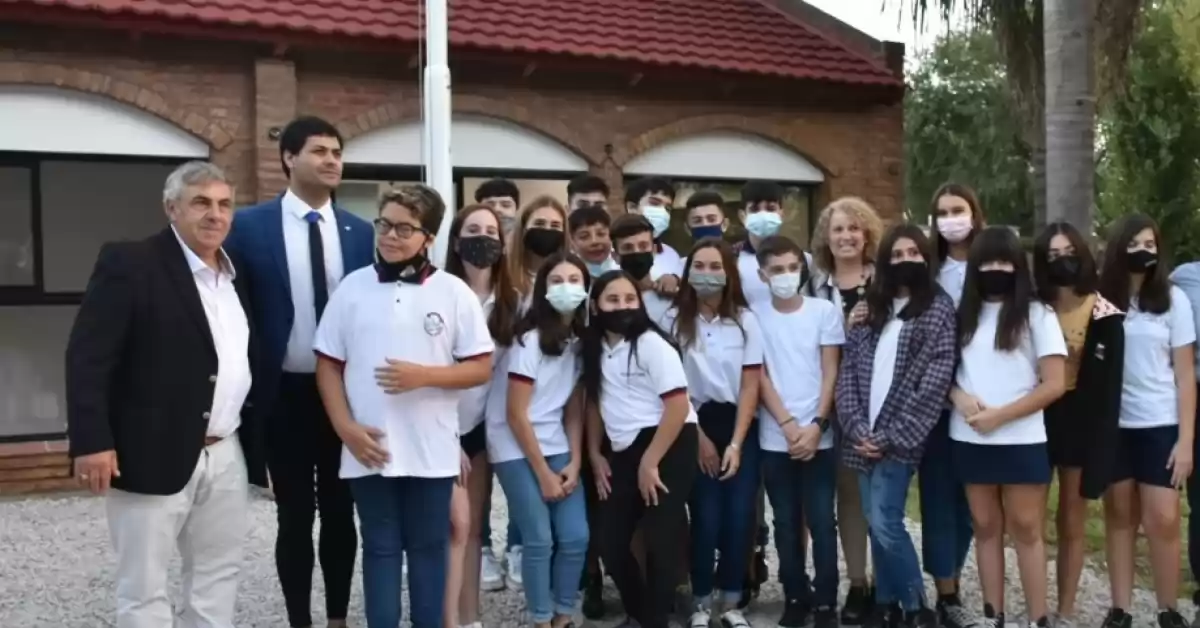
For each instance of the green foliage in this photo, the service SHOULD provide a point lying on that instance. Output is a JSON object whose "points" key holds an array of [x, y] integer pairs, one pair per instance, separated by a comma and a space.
{"points": [[1151, 135], [960, 124]]}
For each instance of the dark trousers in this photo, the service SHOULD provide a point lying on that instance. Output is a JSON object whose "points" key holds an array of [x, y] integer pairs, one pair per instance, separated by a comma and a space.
{"points": [[648, 600], [946, 528], [304, 456], [804, 492]]}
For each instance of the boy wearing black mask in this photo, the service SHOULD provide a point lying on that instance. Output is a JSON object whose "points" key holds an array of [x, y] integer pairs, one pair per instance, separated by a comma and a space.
{"points": [[633, 239]]}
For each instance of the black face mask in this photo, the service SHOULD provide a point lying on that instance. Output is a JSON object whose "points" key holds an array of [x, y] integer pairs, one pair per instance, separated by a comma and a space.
{"points": [[1064, 271], [624, 322], [543, 242], [411, 270], [480, 251], [637, 264], [910, 274], [1141, 260], [996, 283]]}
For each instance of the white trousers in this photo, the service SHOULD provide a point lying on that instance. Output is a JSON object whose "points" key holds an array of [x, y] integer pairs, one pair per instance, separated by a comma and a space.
{"points": [[208, 520]]}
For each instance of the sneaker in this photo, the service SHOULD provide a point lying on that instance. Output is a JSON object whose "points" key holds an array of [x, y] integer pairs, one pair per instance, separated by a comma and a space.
{"points": [[513, 574], [701, 618], [593, 599], [795, 614], [857, 604], [1117, 618], [1171, 618], [1062, 621], [992, 619], [491, 577], [924, 618], [1041, 623], [952, 614], [734, 619], [825, 617]]}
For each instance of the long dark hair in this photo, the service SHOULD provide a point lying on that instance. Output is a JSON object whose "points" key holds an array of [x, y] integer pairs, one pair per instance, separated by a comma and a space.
{"points": [[977, 220], [687, 303], [504, 310], [1047, 292], [883, 291], [593, 338], [553, 333], [1155, 295], [997, 244]]}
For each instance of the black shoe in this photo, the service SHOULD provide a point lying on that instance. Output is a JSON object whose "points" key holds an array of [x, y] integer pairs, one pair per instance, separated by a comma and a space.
{"points": [[877, 616], [1117, 618], [1171, 618], [992, 619], [593, 600], [952, 614], [924, 618], [825, 617], [858, 602], [795, 614]]}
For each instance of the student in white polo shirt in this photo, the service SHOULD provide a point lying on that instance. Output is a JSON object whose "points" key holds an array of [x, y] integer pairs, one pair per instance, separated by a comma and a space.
{"points": [[802, 340], [1157, 418], [1012, 365], [637, 394], [535, 440], [475, 254], [722, 359], [397, 345], [633, 240]]}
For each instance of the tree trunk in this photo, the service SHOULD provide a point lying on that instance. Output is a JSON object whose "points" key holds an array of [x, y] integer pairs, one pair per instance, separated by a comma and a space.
{"points": [[1070, 113]]}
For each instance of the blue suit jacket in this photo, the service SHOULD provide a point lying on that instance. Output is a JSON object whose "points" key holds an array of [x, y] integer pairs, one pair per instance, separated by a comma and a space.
{"points": [[255, 244]]}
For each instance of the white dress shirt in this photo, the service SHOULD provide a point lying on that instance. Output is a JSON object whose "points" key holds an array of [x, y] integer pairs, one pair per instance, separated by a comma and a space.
{"points": [[231, 338], [299, 357]]}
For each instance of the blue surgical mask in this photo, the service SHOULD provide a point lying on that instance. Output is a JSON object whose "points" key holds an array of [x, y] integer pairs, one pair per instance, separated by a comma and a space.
{"points": [[706, 231], [659, 217], [707, 284], [565, 297], [763, 224], [595, 270], [785, 285]]}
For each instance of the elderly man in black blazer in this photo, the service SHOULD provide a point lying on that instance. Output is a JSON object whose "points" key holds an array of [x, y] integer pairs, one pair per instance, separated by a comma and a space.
{"points": [[158, 372]]}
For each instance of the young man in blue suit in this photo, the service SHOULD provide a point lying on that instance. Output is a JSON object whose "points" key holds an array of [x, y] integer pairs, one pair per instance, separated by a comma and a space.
{"points": [[294, 249]]}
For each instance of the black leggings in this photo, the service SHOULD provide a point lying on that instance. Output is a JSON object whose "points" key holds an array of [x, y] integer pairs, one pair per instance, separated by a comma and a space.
{"points": [[649, 600]]}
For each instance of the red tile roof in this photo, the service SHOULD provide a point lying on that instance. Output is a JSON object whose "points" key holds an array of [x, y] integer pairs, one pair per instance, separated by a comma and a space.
{"points": [[744, 36]]}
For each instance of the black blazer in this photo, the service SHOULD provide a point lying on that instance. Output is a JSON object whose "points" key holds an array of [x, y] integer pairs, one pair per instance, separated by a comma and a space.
{"points": [[141, 365], [1098, 396]]}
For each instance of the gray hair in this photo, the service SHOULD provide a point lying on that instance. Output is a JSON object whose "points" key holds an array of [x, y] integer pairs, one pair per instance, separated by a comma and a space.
{"points": [[192, 173]]}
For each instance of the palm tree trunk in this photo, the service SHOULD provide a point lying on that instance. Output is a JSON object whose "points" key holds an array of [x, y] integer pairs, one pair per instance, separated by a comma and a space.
{"points": [[1070, 112]]}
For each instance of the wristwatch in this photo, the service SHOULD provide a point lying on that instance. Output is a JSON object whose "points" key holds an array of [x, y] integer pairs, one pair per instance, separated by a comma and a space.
{"points": [[823, 422]]}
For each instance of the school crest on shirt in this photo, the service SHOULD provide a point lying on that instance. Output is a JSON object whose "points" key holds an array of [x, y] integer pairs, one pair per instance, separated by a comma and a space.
{"points": [[434, 325]]}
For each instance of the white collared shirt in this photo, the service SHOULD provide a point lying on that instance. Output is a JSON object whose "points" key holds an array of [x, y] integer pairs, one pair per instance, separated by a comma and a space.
{"points": [[633, 391], [299, 357], [231, 338]]}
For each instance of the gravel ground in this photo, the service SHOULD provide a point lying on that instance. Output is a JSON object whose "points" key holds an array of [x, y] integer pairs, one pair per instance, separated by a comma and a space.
{"points": [[56, 570]]}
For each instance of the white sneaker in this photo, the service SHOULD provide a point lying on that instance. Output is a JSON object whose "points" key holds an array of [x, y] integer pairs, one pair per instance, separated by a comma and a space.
{"points": [[491, 577], [700, 619], [514, 568], [734, 619]]}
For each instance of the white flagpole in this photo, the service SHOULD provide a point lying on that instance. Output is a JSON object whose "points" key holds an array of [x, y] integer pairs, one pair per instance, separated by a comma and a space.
{"points": [[438, 170]]}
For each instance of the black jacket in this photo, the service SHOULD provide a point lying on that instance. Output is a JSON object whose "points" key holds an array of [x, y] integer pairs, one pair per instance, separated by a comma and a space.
{"points": [[1097, 393], [141, 365]]}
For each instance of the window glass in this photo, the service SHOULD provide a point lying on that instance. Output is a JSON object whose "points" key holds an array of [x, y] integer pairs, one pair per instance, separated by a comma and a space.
{"points": [[33, 340], [16, 238]]}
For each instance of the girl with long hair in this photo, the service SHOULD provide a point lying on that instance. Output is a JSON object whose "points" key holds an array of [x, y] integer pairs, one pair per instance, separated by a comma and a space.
{"points": [[1011, 367], [540, 232], [476, 255], [945, 516], [1081, 427], [535, 440], [896, 372], [637, 395], [1157, 416], [722, 358], [843, 249]]}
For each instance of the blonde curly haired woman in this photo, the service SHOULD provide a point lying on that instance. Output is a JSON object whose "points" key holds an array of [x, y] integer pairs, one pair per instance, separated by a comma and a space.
{"points": [[843, 249]]}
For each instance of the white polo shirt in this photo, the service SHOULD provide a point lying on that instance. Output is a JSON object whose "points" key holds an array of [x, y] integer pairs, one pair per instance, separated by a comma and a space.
{"points": [[998, 378], [717, 356], [1149, 394], [666, 262], [473, 401], [632, 390], [656, 305], [553, 378], [952, 276], [437, 323], [792, 345]]}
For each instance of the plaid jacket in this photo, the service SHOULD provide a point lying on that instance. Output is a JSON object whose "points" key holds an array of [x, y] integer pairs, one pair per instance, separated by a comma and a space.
{"points": [[926, 356]]}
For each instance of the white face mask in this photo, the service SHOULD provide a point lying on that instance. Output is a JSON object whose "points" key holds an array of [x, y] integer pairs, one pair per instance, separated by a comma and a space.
{"points": [[565, 297], [659, 217], [785, 285], [763, 224], [954, 228]]}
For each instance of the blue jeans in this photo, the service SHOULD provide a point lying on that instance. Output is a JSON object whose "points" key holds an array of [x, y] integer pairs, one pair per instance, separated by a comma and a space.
{"points": [[401, 517], [884, 491], [945, 516], [485, 534], [804, 490], [722, 512], [557, 530]]}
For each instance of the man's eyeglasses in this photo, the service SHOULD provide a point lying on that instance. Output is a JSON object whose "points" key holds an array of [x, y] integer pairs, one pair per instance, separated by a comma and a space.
{"points": [[402, 230]]}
